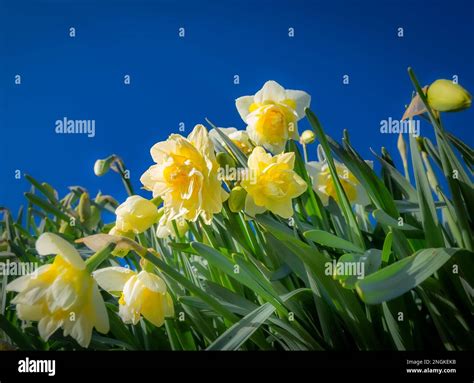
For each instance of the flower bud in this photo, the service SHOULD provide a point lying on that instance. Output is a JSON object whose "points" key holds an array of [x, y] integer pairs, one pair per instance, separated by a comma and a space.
{"points": [[307, 137], [102, 166], [237, 199], [84, 207], [136, 214], [225, 159], [446, 96]]}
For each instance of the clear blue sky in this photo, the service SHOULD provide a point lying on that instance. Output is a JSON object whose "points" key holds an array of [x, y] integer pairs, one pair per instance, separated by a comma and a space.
{"points": [[174, 80]]}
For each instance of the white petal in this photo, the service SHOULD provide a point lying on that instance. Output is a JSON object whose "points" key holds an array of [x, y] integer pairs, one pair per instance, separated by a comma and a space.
{"points": [[101, 317], [81, 331], [47, 326], [128, 314], [271, 91], [19, 284], [113, 278], [251, 208], [302, 99], [49, 243], [30, 312], [152, 282], [243, 104], [62, 296]]}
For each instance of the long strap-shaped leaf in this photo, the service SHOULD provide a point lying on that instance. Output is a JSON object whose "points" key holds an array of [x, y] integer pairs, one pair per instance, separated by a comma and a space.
{"points": [[402, 276], [238, 334]]}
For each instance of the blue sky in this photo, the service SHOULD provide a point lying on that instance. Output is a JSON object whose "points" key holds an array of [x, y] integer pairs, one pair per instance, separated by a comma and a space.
{"points": [[177, 80]]}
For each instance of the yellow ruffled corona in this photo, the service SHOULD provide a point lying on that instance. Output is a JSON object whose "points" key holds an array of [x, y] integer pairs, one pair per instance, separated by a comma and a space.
{"points": [[271, 183], [185, 177]]}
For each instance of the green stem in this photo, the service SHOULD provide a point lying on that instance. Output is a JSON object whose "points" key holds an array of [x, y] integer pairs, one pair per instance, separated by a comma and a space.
{"points": [[95, 260]]}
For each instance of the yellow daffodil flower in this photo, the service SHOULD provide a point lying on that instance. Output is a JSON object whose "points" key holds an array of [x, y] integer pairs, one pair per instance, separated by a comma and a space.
{"points": [[239, 137], [61, 295], [271, 183], [272, 115], [185, 177], [136, 215], [141, 294], [324, 186]]}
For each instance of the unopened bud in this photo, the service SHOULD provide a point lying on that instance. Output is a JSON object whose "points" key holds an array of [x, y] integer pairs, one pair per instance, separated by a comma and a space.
{"points": [[237, 199], [307, 137], [446, 96]]}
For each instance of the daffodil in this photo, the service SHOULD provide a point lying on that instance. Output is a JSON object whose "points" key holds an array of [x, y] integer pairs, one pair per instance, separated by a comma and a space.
{"points": [[239, 137], [141, 294], [62, 294], [324, 186], [135, 215], [271, 183], [272, 115], [185, 177], [169, 228]]}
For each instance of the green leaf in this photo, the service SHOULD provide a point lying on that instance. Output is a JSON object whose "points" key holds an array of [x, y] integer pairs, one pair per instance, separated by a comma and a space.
{"points": [[346, 207], [430, 221], [15, 334], [402, 276], [239, 156], [240, 332], [330, 240]]}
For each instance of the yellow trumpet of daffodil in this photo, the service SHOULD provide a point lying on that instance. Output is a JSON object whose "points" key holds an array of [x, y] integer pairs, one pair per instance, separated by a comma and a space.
{"points": [[141, 294], [324, 186], [61, 295], [271, 183], [272, 115], [136, 215], [185, 177]]}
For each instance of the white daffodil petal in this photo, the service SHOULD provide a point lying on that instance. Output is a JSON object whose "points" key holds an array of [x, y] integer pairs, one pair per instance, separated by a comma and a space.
{"points": [[63, 295], [19, 284], [152, 282], [113, 278], [243, 106], [101, 317], [302, 100], [47, 326], [49, 243], [271, 91]]}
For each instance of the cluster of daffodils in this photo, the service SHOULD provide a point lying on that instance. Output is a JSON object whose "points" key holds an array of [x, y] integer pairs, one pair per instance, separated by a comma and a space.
{"points": [[185, 181], [65, 294]]}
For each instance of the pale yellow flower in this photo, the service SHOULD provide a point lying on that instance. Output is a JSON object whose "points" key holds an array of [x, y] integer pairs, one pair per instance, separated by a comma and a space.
{"points": [[239, 137], [168, 228], [271, 183], [141, 294], [324, 186], [185, 177], [61, 295], [446, 96], [136, 215], [272, 115]]}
